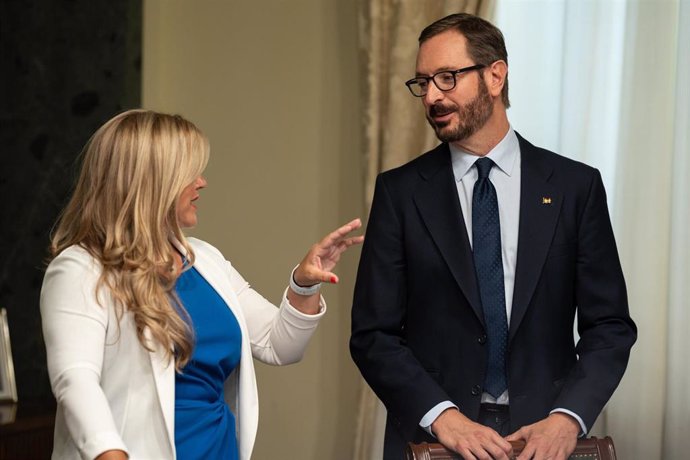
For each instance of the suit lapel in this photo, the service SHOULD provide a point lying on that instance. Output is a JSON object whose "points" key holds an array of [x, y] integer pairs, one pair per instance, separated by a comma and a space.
{"points": [[540, 205], [438, 204]]}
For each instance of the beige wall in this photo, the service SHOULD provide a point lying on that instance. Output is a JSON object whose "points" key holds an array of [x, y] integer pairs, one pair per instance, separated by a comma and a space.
{"points": [[274, 85]]}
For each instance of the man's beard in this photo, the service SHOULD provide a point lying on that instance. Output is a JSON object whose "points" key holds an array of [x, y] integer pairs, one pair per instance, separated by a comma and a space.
{"points": [[471, 117]]}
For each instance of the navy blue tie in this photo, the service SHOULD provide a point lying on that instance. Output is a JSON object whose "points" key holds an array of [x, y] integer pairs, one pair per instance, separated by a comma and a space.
{"points": [[486, 246]]}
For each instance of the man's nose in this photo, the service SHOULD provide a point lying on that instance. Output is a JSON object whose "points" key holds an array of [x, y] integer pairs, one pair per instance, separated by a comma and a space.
{"points": [[433, 94]]}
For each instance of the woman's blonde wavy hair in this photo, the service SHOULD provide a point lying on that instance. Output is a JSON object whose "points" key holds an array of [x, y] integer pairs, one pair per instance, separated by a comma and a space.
{"points": [[124, 213]]}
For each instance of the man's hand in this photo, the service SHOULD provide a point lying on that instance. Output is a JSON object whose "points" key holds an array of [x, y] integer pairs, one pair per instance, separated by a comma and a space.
{"points": [[553, 438], [470, 439]]}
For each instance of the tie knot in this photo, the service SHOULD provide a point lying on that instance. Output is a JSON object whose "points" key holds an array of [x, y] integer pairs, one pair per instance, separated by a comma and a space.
{"points": [[484, 165]]}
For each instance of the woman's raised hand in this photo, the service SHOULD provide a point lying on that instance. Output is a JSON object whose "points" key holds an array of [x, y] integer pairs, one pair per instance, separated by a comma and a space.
{"points": [[317, 265]]}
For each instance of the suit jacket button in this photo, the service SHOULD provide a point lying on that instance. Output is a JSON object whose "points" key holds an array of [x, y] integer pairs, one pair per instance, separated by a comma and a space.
{"points": [[476, 390], [482, 339]]}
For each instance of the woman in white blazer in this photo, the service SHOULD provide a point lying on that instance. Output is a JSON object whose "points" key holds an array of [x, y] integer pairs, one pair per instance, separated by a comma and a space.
{"points": [[120, 331]]}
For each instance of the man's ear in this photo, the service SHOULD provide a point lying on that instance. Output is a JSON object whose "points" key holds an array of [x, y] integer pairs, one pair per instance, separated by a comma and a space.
{"points": [[495, 77]]}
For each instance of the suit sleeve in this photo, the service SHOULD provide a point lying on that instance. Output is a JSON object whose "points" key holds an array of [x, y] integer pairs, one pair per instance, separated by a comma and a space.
{"points": [[606, 330], [378, 344]]}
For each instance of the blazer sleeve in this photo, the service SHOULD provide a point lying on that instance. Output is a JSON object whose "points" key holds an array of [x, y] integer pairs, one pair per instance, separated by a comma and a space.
{"points": [[74, 330], [378, 345], [606, 330], [278, 335]]}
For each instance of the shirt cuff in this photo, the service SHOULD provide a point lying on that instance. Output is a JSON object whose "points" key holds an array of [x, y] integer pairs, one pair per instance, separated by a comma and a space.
{"points": [[431, 416], [583, 427]]}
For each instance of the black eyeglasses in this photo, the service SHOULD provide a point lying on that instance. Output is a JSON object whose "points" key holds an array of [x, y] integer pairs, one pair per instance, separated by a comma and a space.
{"points": [[444, 80]]}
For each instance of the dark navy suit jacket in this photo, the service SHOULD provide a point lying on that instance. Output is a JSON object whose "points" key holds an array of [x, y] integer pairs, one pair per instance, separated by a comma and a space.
{"points": [[418, 332]]}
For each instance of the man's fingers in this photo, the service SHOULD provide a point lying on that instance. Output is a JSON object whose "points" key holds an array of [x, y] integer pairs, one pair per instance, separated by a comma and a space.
{"points": [[486, 449], [500, 449], [466, 454], [519, 435], [470, 439], [487, 445], [472, 449], [528, 452], [498, 452], [540, 449]]}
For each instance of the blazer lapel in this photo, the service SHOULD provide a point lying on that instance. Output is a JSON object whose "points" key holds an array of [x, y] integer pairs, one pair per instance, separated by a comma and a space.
{"points": [[540, 205], [164, 376], [164, 371], [245, 405], [438, 204]]}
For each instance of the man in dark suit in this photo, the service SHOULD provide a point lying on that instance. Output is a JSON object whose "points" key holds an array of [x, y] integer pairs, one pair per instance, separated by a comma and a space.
{"points": [[478, 257]]}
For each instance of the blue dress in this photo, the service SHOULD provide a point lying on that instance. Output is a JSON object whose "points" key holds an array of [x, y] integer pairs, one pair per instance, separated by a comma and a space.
{"points": [[204, 425]]}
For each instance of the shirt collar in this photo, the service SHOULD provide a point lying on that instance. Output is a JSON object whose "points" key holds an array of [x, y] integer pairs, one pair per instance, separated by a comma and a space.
{"points": [[503, 155]]}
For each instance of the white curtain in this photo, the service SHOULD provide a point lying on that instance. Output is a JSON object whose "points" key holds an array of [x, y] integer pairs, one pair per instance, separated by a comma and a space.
{"points": [[677, 402], [608, 82]]}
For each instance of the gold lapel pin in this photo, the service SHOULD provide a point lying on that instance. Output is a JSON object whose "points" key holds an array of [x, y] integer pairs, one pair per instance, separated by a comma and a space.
{"points": [[546, 200]]}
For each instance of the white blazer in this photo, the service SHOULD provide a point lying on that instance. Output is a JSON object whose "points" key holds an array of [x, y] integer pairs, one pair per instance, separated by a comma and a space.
{"points": [[113, 393]]}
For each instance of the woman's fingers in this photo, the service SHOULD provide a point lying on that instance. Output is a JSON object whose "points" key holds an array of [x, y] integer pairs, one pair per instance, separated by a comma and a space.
{"points": [[322, 257], [340, 232]]}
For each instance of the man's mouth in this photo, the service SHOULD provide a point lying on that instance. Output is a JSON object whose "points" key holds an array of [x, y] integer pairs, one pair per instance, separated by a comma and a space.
{"points": [[440, 113]]}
